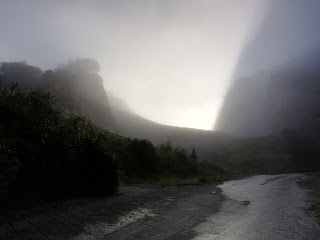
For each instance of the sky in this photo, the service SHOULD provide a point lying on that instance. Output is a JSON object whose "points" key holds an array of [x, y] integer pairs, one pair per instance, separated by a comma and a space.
{"points": [[170, 60]]}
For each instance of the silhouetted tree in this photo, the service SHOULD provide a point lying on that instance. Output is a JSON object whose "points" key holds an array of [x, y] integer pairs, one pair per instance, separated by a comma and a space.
{"points": [[194, 154], [139, 158]]}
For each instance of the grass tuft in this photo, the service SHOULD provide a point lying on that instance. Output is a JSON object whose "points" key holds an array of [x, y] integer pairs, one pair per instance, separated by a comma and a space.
{"points": [[316, 208]]}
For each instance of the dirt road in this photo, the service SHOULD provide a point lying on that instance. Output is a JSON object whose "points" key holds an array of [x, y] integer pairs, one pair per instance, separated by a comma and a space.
{"points": [[260, 207], [263, 207]]}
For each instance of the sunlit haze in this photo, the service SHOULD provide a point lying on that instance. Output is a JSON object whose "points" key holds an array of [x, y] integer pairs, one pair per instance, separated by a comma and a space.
{"points": [[171, 61]]}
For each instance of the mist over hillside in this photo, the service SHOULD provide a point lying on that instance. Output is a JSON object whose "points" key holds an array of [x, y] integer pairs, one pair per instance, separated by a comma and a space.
{"points": [[61, 137], [253, 108], [77, 87], [267, 103], [160, 119], [289, 30], [130, 124], [275, 83], [262, 105]]}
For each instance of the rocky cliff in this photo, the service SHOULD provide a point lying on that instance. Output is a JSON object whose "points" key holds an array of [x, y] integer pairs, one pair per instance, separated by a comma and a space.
{"points": [[267, 103]]}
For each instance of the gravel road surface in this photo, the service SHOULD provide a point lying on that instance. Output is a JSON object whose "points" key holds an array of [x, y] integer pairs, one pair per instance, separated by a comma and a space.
{"points": [[263, 207], [258, 207]]}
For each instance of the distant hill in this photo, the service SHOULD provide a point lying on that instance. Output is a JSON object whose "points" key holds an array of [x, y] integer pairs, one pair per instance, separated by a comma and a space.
{"points": [[267, 103], [129, 124]]}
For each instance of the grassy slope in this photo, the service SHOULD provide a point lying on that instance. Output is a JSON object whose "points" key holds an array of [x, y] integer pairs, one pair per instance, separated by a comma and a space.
{"points": [[316, 209], [256, 155]]}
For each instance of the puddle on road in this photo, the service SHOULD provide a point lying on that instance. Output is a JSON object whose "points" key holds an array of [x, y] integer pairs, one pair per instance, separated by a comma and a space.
{"points": [[101, 228]]}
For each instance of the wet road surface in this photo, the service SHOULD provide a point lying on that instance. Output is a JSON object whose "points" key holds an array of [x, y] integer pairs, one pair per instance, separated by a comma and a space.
{"points": [[138, 212], [259, 207], [262, 207]]}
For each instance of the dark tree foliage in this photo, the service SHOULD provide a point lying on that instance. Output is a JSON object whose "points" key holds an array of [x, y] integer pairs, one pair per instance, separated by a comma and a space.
{"points": [[45, 151], [193, 154], [175, 162], [304, 151], [139, 158]]}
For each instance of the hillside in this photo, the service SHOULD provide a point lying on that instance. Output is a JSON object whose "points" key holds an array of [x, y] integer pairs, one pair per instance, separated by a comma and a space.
{"points": [[130, 124], [247, 155], [47, 153], [77, 87], [267, 103], [78, 90]]}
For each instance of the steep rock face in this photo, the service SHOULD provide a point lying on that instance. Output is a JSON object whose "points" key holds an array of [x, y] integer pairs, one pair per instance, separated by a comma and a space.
{"points": [[83, 93], [282, 93], [268, 103], [77, 87], [244, 112], [288, 30]]}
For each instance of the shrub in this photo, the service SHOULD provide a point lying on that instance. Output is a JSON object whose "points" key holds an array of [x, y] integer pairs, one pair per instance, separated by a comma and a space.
{"points": [[45, 151], [139, 158]]}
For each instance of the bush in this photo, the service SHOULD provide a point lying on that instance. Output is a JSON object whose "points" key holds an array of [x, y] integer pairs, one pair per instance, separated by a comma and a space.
{"points": [[9, 165], [176, 162], [139, 159], [304, 150], [45, 151], [165, 165]]}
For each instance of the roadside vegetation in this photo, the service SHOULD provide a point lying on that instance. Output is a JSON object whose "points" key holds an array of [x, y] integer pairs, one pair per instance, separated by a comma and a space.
{"points": [[48, 154], [316, 208], [289, 152], [255, 155], [167, 165], [317, 173]]}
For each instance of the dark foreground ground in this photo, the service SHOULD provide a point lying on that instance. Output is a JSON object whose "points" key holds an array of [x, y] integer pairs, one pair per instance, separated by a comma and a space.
{"points": [[139, 212], [259, 207]]}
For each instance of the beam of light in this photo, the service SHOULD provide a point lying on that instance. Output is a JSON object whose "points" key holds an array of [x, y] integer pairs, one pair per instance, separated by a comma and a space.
{"points": [[288, 31], [171, 61]]}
